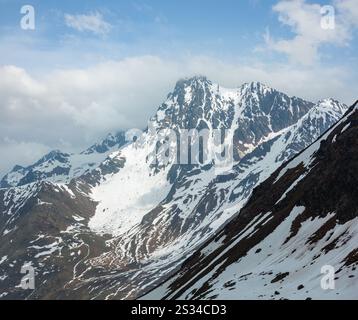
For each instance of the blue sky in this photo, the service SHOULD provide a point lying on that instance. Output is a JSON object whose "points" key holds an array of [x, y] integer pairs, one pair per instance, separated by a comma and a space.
{"points": [[138, 27], [92, 67], [227, 29]]}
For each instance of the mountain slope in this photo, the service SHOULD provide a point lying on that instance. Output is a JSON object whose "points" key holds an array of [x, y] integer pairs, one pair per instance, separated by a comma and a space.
{"points": [[135, 222], [300, 219]]}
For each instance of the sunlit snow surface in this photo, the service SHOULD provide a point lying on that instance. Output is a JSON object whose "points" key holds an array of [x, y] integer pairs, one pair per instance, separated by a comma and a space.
{"points": [[127, 196]]}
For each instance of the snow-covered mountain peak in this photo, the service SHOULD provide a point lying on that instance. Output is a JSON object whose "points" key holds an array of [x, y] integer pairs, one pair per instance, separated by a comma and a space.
{"points": [[111, 140], [53, 155], [193, 81], [328, 107], [199, 103], [196, 103], [259, 97], [256, 87], [332, 105]]}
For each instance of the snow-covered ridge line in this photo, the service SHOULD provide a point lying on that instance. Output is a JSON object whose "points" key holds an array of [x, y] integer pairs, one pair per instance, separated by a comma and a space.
{"points": [[59, 167]]}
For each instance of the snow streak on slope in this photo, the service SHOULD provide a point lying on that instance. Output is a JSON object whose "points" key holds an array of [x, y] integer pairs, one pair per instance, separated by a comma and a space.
{"points": [[127, 196]]}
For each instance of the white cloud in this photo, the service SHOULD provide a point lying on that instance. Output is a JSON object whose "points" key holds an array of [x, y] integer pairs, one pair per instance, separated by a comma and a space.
{"points": [[349, 10], [69, 109], [304, 20], [93, 22]]}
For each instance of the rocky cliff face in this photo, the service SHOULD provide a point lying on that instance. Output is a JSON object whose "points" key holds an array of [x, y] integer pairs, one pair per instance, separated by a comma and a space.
{"points": [[302, 218]]}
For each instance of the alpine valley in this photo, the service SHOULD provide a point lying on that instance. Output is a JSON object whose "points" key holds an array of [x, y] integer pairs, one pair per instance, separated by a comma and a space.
{"points": [[109, 223]]}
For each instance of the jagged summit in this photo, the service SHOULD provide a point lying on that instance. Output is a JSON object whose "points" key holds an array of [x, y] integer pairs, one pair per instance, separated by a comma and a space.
{"points": [[194, 79], [53, 155], [17, 167], [110, 141], [256, 86], [202, 79], [330, 106]]}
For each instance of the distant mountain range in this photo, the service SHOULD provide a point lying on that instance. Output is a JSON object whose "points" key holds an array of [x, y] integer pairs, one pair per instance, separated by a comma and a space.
{"points": [[108, 224], [58, 166]]}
